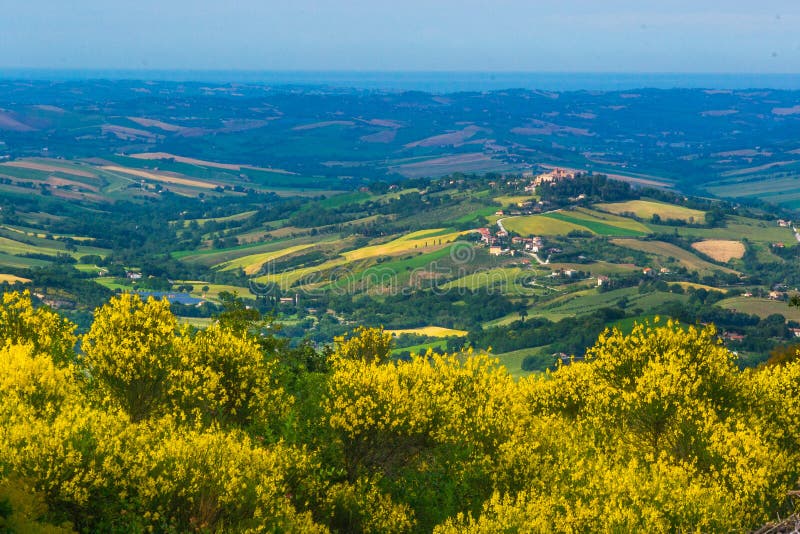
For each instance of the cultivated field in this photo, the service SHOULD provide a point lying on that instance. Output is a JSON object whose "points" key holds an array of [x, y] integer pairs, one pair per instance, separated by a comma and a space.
{"points": [[599, 226], [536, 225], [253, 263], [667, 250], [433, 331], [163, 178], [12, 279], [720, 250], [645, 209], [761, 307]]}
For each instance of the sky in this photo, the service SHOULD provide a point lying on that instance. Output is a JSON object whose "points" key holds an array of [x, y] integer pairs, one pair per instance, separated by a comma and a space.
{"points": [[698, 36]]}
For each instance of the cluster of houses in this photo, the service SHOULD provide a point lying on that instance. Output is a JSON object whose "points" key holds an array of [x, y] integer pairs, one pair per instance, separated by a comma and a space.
{"points": [[498, 242]]}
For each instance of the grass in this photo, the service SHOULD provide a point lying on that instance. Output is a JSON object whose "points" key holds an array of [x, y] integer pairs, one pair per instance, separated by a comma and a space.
{"points": [[432, 331], [504, 279], [197, 322], [761, 307], [12, 247], [735, 229], [665, 251], [589, 301], [609, 219], [513, 201], [512, 361], [422, 348], [531, 225], [482, 212], [9, 260], [596, 226], [645, 209]]}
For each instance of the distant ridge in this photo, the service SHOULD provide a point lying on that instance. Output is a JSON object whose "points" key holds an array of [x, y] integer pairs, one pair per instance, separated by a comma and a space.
{"points": [[435, 82]]}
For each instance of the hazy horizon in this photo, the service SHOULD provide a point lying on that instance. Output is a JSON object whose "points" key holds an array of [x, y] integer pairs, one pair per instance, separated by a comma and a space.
{"points": [[429, 81], [578, 36]]}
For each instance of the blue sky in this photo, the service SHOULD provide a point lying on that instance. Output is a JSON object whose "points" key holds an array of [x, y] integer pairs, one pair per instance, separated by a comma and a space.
{"points": [[425, 35]]}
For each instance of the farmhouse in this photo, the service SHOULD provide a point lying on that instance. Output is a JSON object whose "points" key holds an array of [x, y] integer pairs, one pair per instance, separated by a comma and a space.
{"points": [[486, 235], [603, 280], [784, 224]]}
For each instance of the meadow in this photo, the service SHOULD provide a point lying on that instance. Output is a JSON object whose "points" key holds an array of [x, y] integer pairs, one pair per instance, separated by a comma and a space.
{"points": [[645, 209]]}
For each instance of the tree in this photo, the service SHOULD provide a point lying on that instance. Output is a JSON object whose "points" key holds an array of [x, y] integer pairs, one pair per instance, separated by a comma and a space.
{"points": [[367, 344], [130, 351]]}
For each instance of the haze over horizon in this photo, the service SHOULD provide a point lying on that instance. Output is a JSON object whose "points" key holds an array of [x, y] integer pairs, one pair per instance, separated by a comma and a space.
{"points": [[316, 35]]}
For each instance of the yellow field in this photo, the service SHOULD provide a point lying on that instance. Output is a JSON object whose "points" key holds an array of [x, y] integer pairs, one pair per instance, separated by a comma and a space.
{"points": [[686, 285], [12, 279], [539, 225], [160, 177], [252, 263], [433, 331], [645, 209], [424, 240], [667, 250], [720, 249]]}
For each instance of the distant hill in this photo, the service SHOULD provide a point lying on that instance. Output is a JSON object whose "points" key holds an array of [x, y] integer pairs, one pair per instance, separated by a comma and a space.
{"points": [[739, 144]]}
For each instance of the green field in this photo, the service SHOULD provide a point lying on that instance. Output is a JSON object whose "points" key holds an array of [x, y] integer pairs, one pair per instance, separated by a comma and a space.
{"points": [[609, 219], [761, 307], [506, 279], [735, 229], [645, 209], [422, 348], [596, 226], [540, 225], [512, 361], [588, 301]]}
